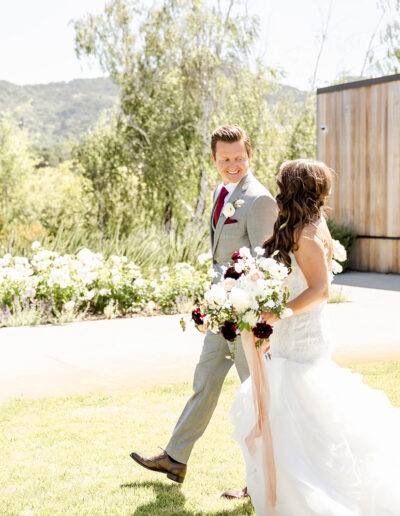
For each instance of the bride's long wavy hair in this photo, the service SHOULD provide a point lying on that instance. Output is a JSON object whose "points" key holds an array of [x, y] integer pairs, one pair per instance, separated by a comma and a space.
{"points": [[303, 186]]}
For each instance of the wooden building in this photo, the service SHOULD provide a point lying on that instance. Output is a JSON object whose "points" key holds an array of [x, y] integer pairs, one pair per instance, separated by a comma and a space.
{"points": [[358, 135]]}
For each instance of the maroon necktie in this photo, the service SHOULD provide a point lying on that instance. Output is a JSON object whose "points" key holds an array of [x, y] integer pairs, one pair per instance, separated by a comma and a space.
{"points": [[220, 203]]}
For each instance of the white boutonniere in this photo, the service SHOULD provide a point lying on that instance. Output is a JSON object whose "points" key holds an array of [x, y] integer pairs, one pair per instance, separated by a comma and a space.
{"points": [[229, 208]]}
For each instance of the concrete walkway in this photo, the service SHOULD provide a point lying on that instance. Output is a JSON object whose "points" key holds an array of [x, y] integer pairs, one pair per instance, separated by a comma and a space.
{"points": [[98, 356]]}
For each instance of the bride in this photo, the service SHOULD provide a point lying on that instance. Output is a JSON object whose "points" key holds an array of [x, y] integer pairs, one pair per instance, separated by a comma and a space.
{"points": [[336, 442]]}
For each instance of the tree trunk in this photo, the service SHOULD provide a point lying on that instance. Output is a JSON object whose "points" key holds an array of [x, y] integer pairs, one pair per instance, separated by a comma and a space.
{"points": [[167, 217], [201, 200]]}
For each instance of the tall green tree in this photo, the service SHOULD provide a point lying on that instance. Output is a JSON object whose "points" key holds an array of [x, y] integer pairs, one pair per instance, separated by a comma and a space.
{"points": [[16, 161], [101, 156], [183, 67], [386, 58]]}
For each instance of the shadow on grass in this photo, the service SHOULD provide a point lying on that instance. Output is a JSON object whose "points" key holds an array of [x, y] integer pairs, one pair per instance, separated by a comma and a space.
{"points": [[170, 501]]}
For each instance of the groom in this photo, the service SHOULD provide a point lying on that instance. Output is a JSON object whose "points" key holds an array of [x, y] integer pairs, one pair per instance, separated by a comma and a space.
{"points": [[243, 214]]}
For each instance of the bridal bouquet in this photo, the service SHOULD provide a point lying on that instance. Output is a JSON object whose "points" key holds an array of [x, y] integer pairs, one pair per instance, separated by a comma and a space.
{"points": [[247, 287]]}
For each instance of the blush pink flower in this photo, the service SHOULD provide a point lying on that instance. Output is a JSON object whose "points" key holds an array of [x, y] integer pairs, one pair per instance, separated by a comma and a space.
{"points": [[254, 276]]}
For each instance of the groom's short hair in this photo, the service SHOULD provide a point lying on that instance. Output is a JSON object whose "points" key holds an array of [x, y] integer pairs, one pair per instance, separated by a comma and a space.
{"points": [[229, 133]]}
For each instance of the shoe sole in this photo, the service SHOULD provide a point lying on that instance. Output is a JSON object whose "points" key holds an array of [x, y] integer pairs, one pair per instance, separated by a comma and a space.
{"points": [[171, 476]]}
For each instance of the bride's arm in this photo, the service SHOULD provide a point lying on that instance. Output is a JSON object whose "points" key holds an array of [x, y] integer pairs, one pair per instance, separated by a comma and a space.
{"points": [[311, 259]]}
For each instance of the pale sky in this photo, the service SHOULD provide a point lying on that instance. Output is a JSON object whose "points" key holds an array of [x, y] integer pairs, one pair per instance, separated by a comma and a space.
{"points": [[37, 40]]}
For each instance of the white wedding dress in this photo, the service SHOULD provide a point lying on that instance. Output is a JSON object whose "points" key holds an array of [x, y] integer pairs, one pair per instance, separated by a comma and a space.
{"points": [[336, 441]]}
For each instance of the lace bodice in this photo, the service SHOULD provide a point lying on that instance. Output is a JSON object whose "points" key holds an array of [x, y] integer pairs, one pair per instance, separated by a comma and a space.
{"points": [[303, 337]]}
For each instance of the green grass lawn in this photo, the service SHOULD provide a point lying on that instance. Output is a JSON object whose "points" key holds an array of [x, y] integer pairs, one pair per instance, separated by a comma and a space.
{"points": [[70, 456]]}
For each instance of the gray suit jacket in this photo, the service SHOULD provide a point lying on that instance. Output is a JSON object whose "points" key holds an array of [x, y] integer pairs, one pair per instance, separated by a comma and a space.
{"points": [[255, 221]]}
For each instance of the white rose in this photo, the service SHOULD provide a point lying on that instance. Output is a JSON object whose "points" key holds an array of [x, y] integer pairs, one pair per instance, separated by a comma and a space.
{"points": [[228, 210], [270, 304], [281, 272], [229, 283], [251, 317], [259, 251], [245, 252], [266, 263], [240, 299], [240, 266], [216, 295]]}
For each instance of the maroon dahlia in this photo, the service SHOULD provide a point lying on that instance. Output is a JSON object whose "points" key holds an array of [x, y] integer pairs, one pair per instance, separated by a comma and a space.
{"points": [[262, 330], [232, 273], [229, 330], [197, 316], [236, 256]]}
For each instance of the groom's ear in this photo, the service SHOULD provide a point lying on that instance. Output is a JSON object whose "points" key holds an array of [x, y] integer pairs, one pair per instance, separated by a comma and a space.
{"points": [[250, 154], [212, 157]]}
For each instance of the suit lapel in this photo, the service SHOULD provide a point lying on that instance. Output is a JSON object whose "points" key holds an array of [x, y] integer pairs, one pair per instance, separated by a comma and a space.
{"points": [[236, 195]]}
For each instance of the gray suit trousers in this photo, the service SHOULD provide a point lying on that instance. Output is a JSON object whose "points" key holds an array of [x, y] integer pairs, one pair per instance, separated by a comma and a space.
{"points": [[209, 377]]}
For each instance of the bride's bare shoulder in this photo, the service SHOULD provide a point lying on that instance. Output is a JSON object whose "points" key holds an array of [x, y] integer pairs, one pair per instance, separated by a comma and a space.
{"points": [[314, 244], [309, 239]]}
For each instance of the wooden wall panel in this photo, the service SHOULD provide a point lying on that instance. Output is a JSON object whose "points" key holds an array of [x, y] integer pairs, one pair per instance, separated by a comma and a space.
{"points": [[362, 145]]}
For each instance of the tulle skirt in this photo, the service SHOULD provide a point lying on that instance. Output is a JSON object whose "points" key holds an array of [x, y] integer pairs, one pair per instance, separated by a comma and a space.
{"points": [[336, 442]]}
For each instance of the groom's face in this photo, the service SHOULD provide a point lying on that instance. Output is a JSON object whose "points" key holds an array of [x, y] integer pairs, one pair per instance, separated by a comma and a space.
{"points": [[231, 160]]}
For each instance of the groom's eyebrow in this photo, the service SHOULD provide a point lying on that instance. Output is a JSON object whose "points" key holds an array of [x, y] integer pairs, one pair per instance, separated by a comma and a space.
{"points": [[236, 155]]}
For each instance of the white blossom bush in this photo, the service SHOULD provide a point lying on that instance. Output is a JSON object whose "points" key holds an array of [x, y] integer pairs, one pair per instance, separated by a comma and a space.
{"points": [[48, 287], [64, 283], [179, 286]]}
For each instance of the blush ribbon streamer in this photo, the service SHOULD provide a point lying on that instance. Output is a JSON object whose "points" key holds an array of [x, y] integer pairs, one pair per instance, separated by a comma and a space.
{"points": [[262, 401]]}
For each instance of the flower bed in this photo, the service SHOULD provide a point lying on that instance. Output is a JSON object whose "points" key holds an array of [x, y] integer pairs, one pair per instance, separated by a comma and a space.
{"points": [[48, 287]]}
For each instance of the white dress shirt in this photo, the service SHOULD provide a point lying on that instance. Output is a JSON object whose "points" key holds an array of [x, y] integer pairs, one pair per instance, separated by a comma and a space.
{"points": [[230, 187]]}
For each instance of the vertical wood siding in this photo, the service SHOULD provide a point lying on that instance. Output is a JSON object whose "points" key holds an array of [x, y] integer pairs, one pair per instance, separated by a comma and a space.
{"points": [[362, 145]]}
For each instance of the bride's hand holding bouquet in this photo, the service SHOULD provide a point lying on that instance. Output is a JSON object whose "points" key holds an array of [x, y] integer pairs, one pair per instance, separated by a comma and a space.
{"points": [[248, 296]]}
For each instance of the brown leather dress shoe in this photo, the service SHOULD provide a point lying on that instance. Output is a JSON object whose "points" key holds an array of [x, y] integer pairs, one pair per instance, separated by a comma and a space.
{"points": [[162, 464], [235, 493]]}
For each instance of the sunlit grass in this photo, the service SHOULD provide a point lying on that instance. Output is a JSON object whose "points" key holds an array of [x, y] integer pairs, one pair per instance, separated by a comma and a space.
{"points": [[70, 456]]}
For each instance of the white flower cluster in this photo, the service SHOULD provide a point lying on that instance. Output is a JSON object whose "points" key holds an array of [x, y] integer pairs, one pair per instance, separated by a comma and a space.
{"points": [[68, 280], [249, 286], [204, 258], [339, 255], [87, 281]]}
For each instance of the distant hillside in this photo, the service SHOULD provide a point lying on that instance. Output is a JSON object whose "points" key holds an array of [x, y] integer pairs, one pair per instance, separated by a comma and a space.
{"points": [[62, 110], [59, 110]]}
